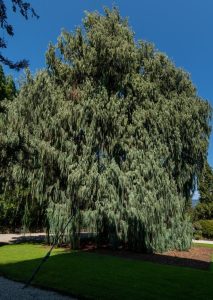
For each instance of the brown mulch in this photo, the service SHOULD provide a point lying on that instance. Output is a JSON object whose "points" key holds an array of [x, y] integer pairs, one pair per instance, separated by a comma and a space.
{"points": [[196, 257]]}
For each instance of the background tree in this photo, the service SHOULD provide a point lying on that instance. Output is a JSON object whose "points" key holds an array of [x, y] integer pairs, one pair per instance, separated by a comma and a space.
{"points": [[8, 206], [203, 211], [113, 135], [12, 204], [25, 10], [206, 184], [17, 208], [7, 86]]}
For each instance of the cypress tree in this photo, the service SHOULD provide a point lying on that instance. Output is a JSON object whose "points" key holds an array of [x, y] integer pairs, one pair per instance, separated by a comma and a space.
{"points": [[114, 135]]}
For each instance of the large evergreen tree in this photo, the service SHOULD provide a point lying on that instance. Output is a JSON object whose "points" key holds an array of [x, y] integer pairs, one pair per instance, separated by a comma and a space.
{"points": [[113, 135]]}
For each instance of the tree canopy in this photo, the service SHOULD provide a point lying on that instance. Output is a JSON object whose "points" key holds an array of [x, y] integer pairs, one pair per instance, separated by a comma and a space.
{"points": [[17, 208], [111, 134], [7, 93], [7, 86]]}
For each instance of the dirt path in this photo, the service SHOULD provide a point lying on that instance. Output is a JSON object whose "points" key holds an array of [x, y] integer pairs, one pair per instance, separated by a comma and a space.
{"points": [[10, 290], [17, 238], [202, 242]]}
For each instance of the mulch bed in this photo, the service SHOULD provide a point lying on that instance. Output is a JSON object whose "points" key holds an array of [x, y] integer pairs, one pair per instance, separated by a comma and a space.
{"points": [[196, 257]]}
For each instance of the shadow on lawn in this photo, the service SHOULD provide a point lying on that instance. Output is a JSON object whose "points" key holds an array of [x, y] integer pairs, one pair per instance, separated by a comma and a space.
{"points": [[3, 244], [196, 257], [33, 239], [99, 274], [203, 263]]}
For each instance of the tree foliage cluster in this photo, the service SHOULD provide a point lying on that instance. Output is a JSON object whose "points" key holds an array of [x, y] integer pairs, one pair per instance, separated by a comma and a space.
{"points": [[7, 205], [112, 135], [203, 211], [17, 209], [206, 184], [7, 86]]}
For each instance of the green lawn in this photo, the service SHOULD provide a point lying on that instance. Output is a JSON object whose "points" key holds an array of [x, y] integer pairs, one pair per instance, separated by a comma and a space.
{"points": [[89, 275], [203, 245]]}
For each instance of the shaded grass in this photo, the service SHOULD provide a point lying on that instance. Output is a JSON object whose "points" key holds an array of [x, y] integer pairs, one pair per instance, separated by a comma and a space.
{"points": [[91, 275]]}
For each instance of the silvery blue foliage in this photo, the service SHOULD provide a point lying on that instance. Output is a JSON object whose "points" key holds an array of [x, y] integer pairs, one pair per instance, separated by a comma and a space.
{"points": [[115, 136]]}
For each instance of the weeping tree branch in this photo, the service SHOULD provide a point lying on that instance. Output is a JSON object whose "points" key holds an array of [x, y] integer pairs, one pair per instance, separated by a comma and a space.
{"points": [[18, 65], [26, 10]]}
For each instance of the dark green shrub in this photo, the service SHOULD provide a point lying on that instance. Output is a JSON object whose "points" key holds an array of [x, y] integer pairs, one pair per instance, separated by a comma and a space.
{"points": [[18, 210], [207, 228], [203, 211], [205, 183], [197, 230]]}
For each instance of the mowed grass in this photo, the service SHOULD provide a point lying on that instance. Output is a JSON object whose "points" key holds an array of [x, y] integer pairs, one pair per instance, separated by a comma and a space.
{"points": [[203, 245], [94, 276]]}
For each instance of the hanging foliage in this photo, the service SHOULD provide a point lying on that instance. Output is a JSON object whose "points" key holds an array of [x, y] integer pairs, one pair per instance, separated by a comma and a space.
{"points": [[115, 135], [17, 208]]}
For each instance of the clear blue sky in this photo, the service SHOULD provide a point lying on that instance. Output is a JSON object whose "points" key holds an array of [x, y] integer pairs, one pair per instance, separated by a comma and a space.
{"points": [[183, 29]]}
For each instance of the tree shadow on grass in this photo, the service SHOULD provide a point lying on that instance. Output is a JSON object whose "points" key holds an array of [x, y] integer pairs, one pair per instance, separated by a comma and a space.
{"points": [[3, 244], [202, 261], [28, 239], [196, 257], [94, 275]]}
